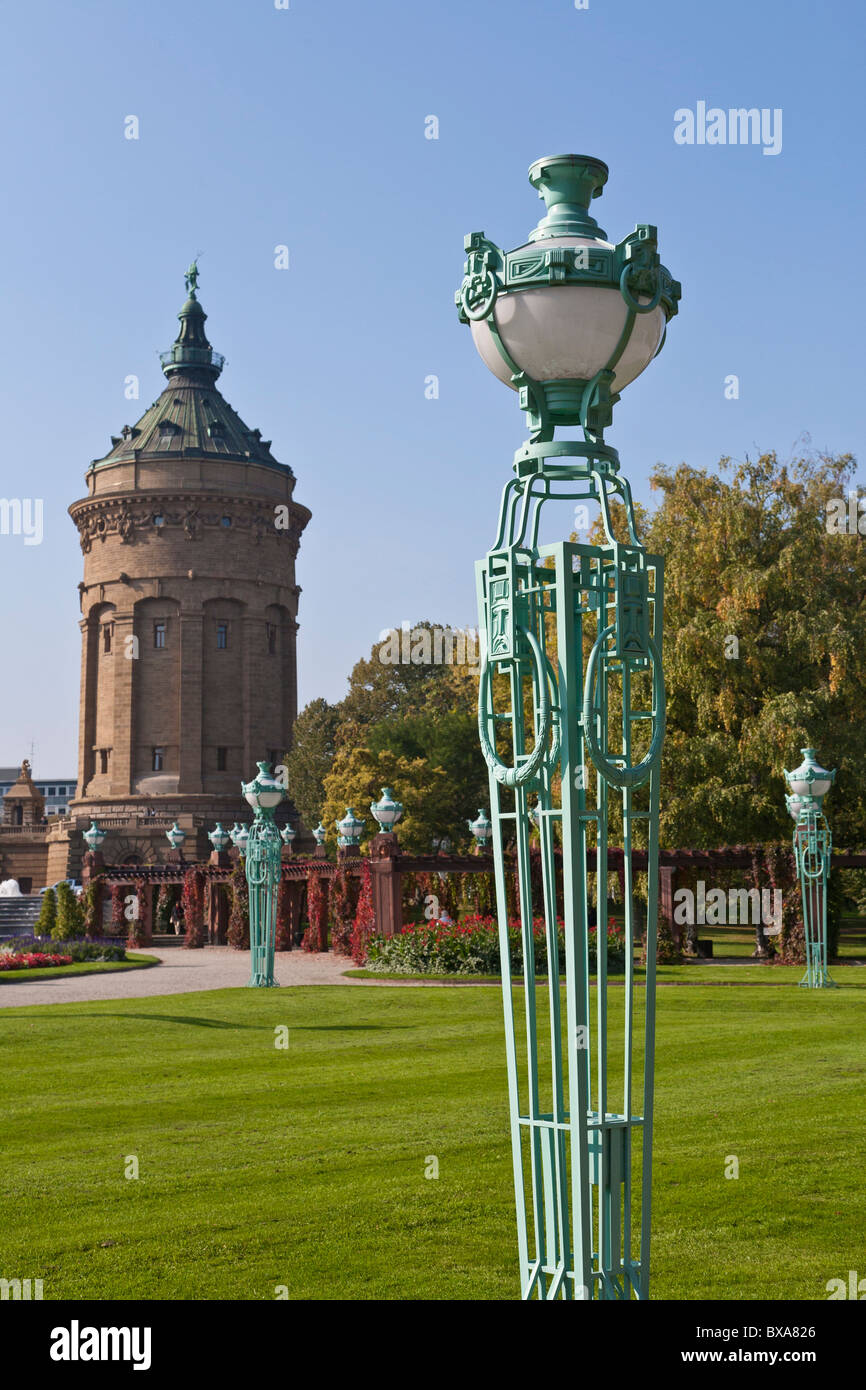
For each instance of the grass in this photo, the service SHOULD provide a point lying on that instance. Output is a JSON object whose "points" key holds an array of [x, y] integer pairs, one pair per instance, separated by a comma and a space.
{"points": [[740, 940], [304, 1167], [84, 967], [693, 973]]}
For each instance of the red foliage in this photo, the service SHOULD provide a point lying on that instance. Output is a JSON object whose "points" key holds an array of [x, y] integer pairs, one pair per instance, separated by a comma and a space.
{"points": [[316, 936], [283, 939], [118, 910], [139, 932], [193, 908], [365, 917], [238, 934], [343, 907]]}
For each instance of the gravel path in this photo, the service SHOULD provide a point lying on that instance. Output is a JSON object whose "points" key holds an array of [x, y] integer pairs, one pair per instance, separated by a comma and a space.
{"points": [[181, 972]]}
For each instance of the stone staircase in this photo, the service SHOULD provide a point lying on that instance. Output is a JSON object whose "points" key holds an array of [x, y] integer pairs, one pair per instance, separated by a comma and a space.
{"points": [[18, 915]]}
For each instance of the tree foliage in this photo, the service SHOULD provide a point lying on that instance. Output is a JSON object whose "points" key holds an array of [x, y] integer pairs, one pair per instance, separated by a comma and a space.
{"points": [[411, 726], [765, 646], [70, 915], [764, 653], [311, 756]]}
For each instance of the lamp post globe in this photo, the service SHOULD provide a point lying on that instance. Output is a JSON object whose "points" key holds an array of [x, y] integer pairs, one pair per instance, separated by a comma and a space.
{"points": [[320, 834], [794, 805], [386, 812], [809, 783], [289, 834], [94, 837], [810, 779], [482, 828], [567, 320], [349, 830], [176, 836], [263, 868], [219, 838]]}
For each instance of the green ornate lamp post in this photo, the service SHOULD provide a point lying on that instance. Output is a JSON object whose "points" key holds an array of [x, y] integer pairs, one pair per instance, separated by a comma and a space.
{"points": [[574, 631], [288, 834], [320, 834], [813, 842], [263, 861]]}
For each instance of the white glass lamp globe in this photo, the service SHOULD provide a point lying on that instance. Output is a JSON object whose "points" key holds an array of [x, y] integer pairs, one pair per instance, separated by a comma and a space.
{"points": [[387, 811], [264, 792], [568, 318], [568, 332], [810, 778]]}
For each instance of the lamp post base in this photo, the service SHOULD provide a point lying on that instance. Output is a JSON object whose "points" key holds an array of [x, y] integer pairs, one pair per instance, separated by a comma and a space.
{"points": [[818, 979]]}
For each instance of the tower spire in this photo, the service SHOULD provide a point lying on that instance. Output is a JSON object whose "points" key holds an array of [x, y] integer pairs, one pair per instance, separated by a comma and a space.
{"points": [[191, 352]]}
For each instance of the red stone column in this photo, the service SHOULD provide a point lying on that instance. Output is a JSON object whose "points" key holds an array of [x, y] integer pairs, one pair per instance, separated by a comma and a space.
{"points": [[145, 913], [387, 882]]}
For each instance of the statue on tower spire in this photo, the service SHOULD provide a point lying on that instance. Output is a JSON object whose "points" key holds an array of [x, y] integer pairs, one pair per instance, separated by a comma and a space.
{"points": [[191, 278]]}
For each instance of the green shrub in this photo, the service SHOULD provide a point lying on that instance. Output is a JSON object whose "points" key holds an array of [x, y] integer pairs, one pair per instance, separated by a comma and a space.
{"points": [[47, 919], [70, 915], [471, 947]]}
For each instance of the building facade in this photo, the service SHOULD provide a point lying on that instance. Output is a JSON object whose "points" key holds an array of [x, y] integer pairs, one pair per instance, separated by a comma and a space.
{"points": [[189, 533], [56, 792]]}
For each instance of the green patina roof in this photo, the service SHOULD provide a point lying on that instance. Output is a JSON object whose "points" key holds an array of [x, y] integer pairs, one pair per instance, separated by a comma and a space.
{"points": [[191, 418]]}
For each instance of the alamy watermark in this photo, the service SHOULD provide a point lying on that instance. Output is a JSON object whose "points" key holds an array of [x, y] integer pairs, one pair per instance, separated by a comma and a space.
{"points": [[847, 517], [429, 646], [717, 908], [22, 516], [21, 1289], [714, 125]]}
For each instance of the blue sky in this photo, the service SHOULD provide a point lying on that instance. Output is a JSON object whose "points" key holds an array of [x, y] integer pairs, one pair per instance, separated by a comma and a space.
{"points": [[306, 127]]}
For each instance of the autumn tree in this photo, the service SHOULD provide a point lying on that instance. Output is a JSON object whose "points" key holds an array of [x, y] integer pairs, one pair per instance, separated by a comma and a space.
{"points": [[765, 646], [311, 756]]}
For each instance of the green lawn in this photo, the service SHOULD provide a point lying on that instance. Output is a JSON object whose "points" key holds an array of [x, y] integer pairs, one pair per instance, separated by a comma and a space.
{"points": [[84, 967], [305, 1167]]}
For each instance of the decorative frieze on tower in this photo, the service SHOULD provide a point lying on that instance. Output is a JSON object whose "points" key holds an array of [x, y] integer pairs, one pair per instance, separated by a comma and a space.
{"points": [[190, 533]]}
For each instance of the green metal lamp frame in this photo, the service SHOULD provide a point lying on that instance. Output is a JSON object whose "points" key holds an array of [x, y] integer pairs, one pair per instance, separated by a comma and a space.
{"points": [[263, 867], [574, 1124], [813, 845]]}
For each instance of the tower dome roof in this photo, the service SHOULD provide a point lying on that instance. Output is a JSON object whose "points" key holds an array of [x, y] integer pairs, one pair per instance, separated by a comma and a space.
{"points": [[191, 419]]}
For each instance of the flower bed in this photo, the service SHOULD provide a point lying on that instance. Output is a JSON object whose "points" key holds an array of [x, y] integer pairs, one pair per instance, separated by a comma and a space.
{"points": [[31, 960], [471, 947], [104, 948]]}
